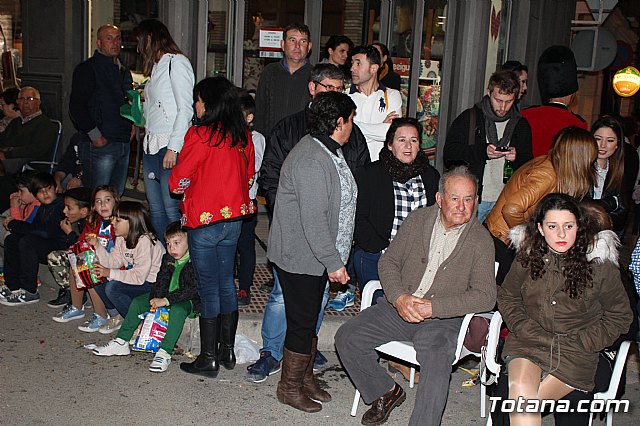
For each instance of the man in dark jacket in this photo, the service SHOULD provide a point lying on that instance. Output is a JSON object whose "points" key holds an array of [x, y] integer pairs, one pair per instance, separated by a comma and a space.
{"points": [[491, 138], [283, 137], [98, 89], [288, 131]]}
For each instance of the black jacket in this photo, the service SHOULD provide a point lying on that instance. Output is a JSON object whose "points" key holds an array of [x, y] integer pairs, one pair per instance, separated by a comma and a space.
{"points": [[457, 150], [376, 204], [46, 223], [187, 283], [285, 135]]}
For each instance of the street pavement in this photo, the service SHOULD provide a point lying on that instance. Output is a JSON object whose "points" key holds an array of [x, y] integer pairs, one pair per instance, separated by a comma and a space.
{"points": [[47, 377]]}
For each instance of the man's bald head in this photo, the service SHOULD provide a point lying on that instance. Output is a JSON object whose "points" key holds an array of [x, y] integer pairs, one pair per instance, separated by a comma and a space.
{"points": [[109, 40]]}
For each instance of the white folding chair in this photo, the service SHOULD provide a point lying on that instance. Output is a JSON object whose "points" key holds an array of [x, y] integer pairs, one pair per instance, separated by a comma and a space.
{"points": [[489, 365], [405, 350], [610, 393]]}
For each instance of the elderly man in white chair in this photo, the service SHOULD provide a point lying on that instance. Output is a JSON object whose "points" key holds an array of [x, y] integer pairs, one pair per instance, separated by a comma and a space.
{"points": [[439, 267]]}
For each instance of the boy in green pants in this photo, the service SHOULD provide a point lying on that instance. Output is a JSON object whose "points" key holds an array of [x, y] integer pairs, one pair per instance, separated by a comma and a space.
{"points": [[176, 287]]}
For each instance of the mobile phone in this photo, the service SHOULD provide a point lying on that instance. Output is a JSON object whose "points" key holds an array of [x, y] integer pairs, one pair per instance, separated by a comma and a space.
{"points": [[502, 148]]}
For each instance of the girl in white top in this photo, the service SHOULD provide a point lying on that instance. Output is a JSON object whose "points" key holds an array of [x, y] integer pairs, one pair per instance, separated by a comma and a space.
{"points": [[168, 109]]}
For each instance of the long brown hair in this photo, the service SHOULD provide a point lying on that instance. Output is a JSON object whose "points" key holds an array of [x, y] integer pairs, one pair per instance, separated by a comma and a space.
{"points": [[94, 218], [573, 155], [154, 40], [616, 161], [139, 222]]}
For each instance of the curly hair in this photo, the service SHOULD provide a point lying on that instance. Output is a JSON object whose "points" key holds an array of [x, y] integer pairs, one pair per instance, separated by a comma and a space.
{"points": [[577, 270]]}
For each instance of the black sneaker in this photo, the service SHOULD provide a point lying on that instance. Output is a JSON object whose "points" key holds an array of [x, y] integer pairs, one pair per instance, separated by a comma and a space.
{"points": [[63, 299], [266, 287], [244, 298]]}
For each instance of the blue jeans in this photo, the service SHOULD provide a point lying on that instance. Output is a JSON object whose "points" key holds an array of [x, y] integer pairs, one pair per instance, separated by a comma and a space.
{"points": [[213, 251], [366, 265], [105, 165], [484, 208], [118, 295], [274, 322], [162, 207]]}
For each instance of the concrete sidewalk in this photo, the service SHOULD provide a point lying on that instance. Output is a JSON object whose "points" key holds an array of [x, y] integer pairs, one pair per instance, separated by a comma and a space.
{"points": [[48, 378]]}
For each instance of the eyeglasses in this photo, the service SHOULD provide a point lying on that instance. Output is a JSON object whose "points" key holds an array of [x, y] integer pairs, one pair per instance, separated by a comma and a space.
{"points": [[27, 99], [331, 87]]}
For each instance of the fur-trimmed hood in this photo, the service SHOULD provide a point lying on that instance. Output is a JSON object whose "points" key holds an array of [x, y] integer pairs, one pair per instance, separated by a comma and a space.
{"points": [[605, 244]]}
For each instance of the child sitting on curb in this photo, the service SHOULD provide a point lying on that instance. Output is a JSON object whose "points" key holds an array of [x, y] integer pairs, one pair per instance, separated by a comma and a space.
{"points": [[175, 287]]}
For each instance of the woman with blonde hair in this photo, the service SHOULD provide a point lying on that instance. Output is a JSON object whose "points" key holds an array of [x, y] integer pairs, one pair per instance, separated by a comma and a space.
{"points": [[568, 168], [167, 111]]}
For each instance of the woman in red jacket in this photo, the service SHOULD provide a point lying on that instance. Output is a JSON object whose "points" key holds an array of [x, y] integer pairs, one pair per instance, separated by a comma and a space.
{"points": [[214, 173]]}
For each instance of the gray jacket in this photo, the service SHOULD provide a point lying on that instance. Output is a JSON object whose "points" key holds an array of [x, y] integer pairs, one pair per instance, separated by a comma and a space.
{"points": [[305, 221]]}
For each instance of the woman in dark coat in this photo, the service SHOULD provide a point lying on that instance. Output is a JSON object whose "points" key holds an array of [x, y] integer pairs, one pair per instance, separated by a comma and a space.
{"points": [[401, 181], [563, 302]]}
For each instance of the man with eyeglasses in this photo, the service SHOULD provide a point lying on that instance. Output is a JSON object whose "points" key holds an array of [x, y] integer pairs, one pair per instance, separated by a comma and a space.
{"points": [[283, 137], [282, 88], [98, 90], [377, 105], [28, 138]]}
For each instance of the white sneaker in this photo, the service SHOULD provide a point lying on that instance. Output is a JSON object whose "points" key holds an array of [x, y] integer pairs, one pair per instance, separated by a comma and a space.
{"points": [[114, 347], [112, 325], [161, 362]]}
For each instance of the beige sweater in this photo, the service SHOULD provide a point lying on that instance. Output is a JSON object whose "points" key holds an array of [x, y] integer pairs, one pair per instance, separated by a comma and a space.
{"points": [[142, 262], [465, 281]]}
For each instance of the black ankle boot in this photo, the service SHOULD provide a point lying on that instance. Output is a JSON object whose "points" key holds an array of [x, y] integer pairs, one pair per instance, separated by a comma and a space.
{"points": [[228, 327], [206, 364]]}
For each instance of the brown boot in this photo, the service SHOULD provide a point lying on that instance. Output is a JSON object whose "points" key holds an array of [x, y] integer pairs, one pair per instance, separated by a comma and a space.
{"points": [[294, 366], [309, 384]]}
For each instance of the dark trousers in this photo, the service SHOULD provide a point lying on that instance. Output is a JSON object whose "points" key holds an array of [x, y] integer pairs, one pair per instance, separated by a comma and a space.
{"points": [[302, 302], [505, 256], [433, 339], [247, 253], [22, 255]]}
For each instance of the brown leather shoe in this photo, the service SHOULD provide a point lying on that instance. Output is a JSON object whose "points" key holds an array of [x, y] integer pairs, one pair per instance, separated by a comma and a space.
{"points": [[382, 407], [309, 384], [294, 366]]}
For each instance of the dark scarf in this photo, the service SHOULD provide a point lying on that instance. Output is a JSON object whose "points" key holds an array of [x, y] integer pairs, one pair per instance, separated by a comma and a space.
{"points": [[490, 120], [399, 171]]}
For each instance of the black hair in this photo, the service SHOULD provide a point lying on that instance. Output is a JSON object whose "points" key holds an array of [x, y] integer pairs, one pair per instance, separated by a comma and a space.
{"points": [[335, 41], [82, 197], [402, 122], [222, 112], [173, 229], [325, 110], [577, 271], [247, 102], [515, 66], [23, 179], [372, 54], [139, 222], [41, 180], [302, 28], [10, 97]]}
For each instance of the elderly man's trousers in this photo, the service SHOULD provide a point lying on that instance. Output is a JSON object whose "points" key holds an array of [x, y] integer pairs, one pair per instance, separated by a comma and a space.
{"points": [[434, 341]]}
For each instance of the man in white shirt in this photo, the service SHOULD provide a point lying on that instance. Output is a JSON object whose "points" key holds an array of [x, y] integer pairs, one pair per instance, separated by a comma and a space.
{"points": [[376, 104]]}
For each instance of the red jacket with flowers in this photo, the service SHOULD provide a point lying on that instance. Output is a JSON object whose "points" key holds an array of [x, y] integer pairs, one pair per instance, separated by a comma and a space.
{"points": [[215, 180]]}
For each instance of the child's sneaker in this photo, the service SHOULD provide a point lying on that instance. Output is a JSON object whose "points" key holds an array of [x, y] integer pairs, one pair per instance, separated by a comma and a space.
{"points": [[244, 298], [112, 325], [93, 324], [263, 368], [22, 297], [64, 298], [5, 292], [113, 347], [342, 300], [161, 362], [69, 313]]}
